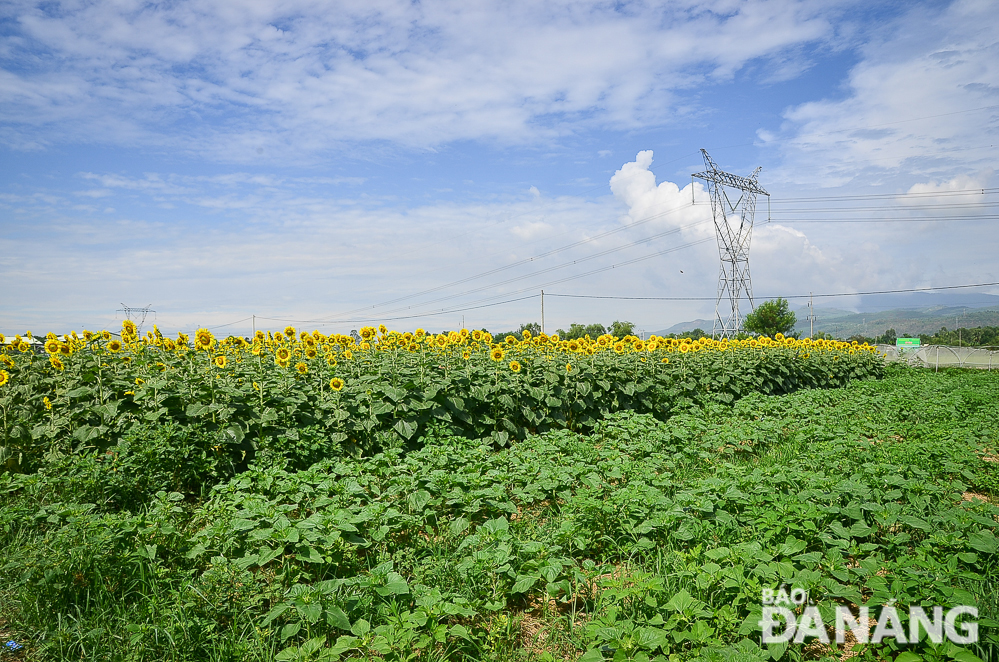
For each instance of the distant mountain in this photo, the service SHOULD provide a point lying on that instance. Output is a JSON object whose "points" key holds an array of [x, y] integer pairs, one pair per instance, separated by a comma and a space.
{"points": [[843, 324], [904, 321]]}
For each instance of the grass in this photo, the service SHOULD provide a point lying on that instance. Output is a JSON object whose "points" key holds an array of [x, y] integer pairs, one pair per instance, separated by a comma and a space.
{"points": [[641, 540]]}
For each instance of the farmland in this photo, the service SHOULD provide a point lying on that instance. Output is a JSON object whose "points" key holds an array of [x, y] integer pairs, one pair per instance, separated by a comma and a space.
{"points": [[455, 496]]}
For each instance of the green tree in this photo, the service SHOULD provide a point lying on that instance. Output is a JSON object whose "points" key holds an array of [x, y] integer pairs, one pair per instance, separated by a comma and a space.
{"points": [[578, 331], [622, 329], [770, 318]]}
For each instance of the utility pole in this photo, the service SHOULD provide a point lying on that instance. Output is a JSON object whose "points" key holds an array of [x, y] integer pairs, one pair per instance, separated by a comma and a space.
{"points": [[734, 230], [254, 327], [811, 317], [542, 311]]}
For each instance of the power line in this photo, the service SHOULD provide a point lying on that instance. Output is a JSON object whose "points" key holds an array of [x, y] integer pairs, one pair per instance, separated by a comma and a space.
{"points": [[518, 263], [877, 196], [788, 296]]}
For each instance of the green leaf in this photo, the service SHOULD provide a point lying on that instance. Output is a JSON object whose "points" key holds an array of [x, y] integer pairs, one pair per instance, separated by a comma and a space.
{"points": [[983, 541], [406, 429], [310, 612], [360, 628], [337, 618], [418, 500], [289, 631], [524, 583], [592, 655], [908, 657]]}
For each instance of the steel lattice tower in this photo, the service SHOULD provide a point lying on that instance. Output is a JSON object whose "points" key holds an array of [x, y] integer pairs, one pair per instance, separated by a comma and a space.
{"points": [[137, 315], [734, 229]]}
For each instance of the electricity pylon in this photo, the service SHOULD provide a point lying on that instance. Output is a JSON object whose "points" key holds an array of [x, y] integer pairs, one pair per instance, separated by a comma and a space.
{"points": [[137, 315], [734, 229]]}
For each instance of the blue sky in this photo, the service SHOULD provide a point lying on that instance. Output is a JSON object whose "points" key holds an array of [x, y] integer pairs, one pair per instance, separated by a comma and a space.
{"points": [[301, 161]]}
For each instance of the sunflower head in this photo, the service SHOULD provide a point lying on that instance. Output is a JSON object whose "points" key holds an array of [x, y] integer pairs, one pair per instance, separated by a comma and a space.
{"points": [[568, 367], [219, 361], [477, 335], [65, 349], [336, 383], [4, 377], [114, 346], [382, 329], [301, 368], [282, 354], [128, 328], [52, 346], [310, 353], [515, 366], [510, 340], [526, 335], [466, 355], [367, 332], [47, 402], [204, 339], [289, 331], [56, 363], [497, 354]]}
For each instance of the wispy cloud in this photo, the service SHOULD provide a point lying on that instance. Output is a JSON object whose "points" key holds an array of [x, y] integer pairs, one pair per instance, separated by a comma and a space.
{"points": [[923, 100], [289, 78]]}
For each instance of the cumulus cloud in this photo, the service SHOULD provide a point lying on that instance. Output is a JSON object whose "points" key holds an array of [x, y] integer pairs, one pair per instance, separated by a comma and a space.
{"points": [[283, 78], [664, 204]]}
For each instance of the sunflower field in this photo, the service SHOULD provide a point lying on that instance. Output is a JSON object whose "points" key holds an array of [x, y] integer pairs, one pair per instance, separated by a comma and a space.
{"points": [[309, 396]]}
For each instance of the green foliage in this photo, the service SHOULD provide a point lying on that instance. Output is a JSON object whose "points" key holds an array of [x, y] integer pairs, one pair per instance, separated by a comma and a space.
{"points": [[622, 329], [253, 410], [646, 539], [577, 331], [983, 336], [770, 318]]}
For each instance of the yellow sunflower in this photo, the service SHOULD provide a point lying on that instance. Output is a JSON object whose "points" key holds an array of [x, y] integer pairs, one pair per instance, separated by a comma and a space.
{"points": [[289, 331], [65, 349], [568, 367], [466, 355], [310, 352], [477, 335], [52, 346], [382, 329], [336, 383], [302, 368], [56, 363], [4, 377], [515, 366], [204, 339], [282, 355], [47, 402], [220, 361], [114, 346], [497, 354]]}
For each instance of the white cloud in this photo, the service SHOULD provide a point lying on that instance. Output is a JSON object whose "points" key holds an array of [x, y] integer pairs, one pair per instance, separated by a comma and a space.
{"points": [[283, 78], [923, 100]]}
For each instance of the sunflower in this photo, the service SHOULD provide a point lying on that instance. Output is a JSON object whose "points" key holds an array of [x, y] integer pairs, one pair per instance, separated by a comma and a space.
{"points": [[568, 367], [639, 346], [282, 364], [684, 347], [114, 346], [4, 377], [347, 354], [412, 347], [367, 332], [310, 352], [365, 345], [219, 361], [204, 339], [65, 349], [47, 402], [52, 346], [382, 329], [301, 368], [6, 360], [477, 335], [289, 331], [619, 347], [515, 366], [282, 355], [23, 347], [573, 345], [466, 355], [56, 363], [665, 360], [139, 381], [336, 383], [497, 354]]}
